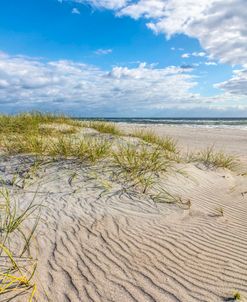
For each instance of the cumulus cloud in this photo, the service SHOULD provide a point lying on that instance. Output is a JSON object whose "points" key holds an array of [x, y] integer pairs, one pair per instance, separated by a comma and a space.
{"points": [[30, 83], [185, 55], [75, 11], [219, 25], [193, 54], [27, 82], [237, 85], [107, 4], [101, 51], [211, 63]]}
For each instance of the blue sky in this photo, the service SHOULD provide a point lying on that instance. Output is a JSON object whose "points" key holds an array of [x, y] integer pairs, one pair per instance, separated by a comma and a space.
{"points": [[123, 58]]}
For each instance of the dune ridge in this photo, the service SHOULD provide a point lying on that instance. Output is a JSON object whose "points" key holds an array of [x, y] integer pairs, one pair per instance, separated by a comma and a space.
{"points": [[111, 247]]}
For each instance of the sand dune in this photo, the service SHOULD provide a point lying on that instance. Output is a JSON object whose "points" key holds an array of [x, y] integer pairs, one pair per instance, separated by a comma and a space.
{"points": [[110, 245]]}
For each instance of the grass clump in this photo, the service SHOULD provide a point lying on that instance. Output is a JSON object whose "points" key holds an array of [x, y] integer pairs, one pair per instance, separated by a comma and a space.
{"points": [[14, 278], [166, 143], [215, 159], [86, 149], [18, 144], [103, 127], [135, 161], [140, 164], [237, 296], [26, 123]]}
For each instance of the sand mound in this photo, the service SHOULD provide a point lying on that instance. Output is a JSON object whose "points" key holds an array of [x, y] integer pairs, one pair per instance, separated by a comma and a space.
{"points": [[101, 244]]}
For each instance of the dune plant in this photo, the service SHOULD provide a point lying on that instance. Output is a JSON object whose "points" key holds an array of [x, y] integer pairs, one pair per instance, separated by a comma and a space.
{"points": [[166, 143], [103, 127], [139, 164], [164, 196], [237, 296], [31, 143], [86, 149], [93, 149], [15, 278], [216, 159], [31, 122]]}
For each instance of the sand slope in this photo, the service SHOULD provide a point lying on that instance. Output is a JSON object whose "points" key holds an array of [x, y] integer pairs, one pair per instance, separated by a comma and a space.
{"points": [[120, 247]]}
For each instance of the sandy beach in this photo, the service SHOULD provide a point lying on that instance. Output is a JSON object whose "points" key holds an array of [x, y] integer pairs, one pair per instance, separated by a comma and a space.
{"points": [[101, 241], [194, 138]]}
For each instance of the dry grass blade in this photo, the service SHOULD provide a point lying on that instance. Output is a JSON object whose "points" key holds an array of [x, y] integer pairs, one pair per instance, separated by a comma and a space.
{"points": [[165, 196]]}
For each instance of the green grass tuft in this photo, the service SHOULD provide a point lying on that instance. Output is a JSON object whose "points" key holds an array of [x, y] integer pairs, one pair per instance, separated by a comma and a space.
{"points": [[140, 164], [215, 159], [166, 143], [103, 127], [14, 278]]}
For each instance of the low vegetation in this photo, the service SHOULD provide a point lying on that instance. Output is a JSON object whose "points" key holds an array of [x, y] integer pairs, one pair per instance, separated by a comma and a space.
{"points": [[215, 159], [103, 127], [139, 164], [17, 266], [237, 296], [164, 196], [36, 122], [88, 149], [165, 143]]}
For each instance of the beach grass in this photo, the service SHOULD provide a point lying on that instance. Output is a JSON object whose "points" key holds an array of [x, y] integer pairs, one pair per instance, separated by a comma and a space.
{"points": [[85, 148], [32, 122], [215, 159], [139, 164], [103, 127], [15, 278], [166, 143]]}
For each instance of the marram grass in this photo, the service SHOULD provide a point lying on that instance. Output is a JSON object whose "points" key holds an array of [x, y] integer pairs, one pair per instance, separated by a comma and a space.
{"points": [[166, 143], [16, 279], [215, 159], [103, 127]]}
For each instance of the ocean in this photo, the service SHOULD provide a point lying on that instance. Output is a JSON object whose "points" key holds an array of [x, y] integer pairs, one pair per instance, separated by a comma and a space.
{"points": [[236, 123]]}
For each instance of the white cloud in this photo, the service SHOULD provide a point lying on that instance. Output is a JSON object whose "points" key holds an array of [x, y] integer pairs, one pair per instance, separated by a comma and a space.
{"points": [[28, 83], [193, 54], [237, 85], [219, 25], [199, 54], [185, 55], [103, 51], [75, 11], [211, 63], [31, 83], [107, 4]]}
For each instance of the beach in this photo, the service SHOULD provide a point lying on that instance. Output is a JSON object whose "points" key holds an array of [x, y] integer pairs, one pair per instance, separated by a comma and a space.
{"points": [[99, 239], [232, 140]]}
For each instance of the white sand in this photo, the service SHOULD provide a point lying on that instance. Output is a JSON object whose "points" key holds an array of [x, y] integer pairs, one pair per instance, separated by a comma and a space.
{"points": [[126, 248], [230, 140]]}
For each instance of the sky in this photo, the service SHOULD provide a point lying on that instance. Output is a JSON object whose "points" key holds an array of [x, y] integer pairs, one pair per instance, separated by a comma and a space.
{"points": [[124, 58]]}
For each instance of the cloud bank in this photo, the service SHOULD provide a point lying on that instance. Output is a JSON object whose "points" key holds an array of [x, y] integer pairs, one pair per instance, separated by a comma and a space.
{"points": [[28, 83]]}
